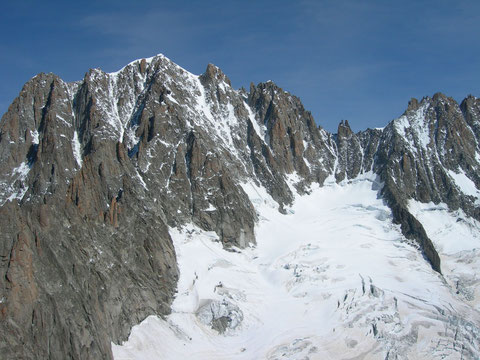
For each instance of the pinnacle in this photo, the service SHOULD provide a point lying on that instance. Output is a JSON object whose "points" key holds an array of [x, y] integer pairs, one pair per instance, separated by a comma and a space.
{"points": [[344, 129], [214, 73], [413, 104]]}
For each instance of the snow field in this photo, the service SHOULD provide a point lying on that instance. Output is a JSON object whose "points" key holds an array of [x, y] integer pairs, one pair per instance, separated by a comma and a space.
{"points": [[334, 278]]}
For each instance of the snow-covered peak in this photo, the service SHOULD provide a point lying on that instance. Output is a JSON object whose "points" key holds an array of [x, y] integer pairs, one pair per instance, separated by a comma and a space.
{"points": [[137, 62]]}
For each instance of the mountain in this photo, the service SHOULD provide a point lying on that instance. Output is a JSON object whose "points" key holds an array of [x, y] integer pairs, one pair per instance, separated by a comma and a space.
{"points": [[113, 187]]}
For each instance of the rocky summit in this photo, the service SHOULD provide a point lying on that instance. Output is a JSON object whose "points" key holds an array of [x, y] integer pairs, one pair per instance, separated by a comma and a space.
{"points": [[97, 176]]}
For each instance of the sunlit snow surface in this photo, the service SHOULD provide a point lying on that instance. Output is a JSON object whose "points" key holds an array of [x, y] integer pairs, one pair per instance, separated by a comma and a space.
{"points": [[457, 239], [332, 279]]}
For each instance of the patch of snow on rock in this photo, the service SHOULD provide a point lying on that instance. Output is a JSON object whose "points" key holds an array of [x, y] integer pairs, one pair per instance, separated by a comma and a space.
{"points": [[465, 185], [77, 151]]}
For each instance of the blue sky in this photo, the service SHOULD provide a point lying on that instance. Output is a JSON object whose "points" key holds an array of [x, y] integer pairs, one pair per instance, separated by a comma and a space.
{"points": [[355, 60]]}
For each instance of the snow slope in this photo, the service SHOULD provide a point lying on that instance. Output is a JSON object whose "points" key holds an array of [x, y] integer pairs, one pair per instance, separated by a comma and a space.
{"points": [[457, 240], [333, 278]]}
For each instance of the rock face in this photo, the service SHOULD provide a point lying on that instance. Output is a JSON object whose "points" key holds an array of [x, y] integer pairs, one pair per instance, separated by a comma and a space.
{"points": [[420, 157], [79, 265], [93, 173]]}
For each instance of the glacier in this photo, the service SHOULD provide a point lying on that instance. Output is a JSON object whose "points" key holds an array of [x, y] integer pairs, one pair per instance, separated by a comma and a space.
{"points": [[332, 278]]}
